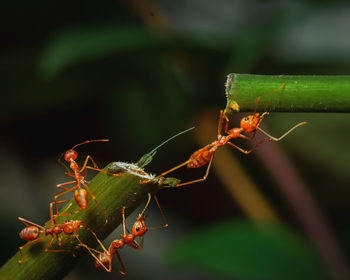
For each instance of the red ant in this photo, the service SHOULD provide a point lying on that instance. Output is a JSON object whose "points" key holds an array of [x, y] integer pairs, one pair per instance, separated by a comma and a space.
{"points": [[104, 259], [33, 231], [249, 124], [80, 195]]}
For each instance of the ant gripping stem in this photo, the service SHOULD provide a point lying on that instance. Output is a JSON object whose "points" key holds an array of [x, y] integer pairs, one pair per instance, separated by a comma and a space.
{"points": [[33, 231], [249, 125], [79, 175]]}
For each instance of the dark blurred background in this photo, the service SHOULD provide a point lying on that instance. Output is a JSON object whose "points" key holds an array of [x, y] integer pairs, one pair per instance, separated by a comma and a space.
{"points": [[137, 72]]}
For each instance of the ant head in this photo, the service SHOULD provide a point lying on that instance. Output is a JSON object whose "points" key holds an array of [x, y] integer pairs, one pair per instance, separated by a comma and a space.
{"points": [[250, 123], [70, 155], [139, 228]]}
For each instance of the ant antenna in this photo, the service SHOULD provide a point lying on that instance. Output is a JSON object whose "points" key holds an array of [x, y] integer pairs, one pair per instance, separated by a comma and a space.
{"points": [[85, 142], [147, 158], [89, 141], [285, 134], [258, 99], [162, 213], [61, 162], [144, 209]]}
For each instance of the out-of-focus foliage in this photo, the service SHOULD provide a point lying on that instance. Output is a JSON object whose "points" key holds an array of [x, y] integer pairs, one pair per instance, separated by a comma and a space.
{"points": [[247, 250]]}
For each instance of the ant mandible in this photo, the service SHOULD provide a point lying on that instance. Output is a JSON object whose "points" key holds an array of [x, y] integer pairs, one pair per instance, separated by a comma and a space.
{"points": [[80, 194], [104, 259], [205, 155], [32, 231]]}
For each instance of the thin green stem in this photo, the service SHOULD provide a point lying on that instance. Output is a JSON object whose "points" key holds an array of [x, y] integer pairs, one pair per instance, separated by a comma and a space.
{"points": [[299, 94]]}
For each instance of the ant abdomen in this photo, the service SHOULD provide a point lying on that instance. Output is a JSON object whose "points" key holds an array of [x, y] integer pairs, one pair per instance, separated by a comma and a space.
{"points": [[82, 198], [200, 158], [29, 233]]}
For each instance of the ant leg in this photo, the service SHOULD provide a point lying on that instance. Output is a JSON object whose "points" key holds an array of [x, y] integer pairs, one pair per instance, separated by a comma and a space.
{"points": [[124, 223], [227, 121], [220, 123], [59, 244], [198, 180], [56, 202], [57, 251], [62, 212], [252, 149], [285, 134], [29, 223], [247, 137], [162, 213], [94, 198], [96, 168], [259, 122], [137, 246], [223, 115], [91, 250], [85, 166], [70, 174], [60, 186], [53, 217], [86, 161], [103, 171], [166, 172], [49, 243], [123, 271], [28, 244], [99, 241], [173, 169]]}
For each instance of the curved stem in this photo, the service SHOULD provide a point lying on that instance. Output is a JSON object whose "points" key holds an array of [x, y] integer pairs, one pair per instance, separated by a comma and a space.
{"points": [[113, 193]]}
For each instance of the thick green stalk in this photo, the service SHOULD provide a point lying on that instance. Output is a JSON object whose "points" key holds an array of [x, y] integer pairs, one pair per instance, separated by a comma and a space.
{"points": [[112, 193], [299, 94]]}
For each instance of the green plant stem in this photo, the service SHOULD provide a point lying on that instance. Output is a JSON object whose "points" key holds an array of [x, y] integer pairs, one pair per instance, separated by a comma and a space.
{"points": [[112, 193], [300, 93]]}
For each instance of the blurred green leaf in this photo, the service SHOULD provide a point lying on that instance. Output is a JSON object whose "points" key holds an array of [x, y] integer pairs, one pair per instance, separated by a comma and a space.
{"points": [[86, 44], [247, 250]]}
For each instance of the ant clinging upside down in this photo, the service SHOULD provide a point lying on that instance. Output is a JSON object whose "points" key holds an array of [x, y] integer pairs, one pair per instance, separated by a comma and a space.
{"points": [[248, 125], [104, 258]]}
